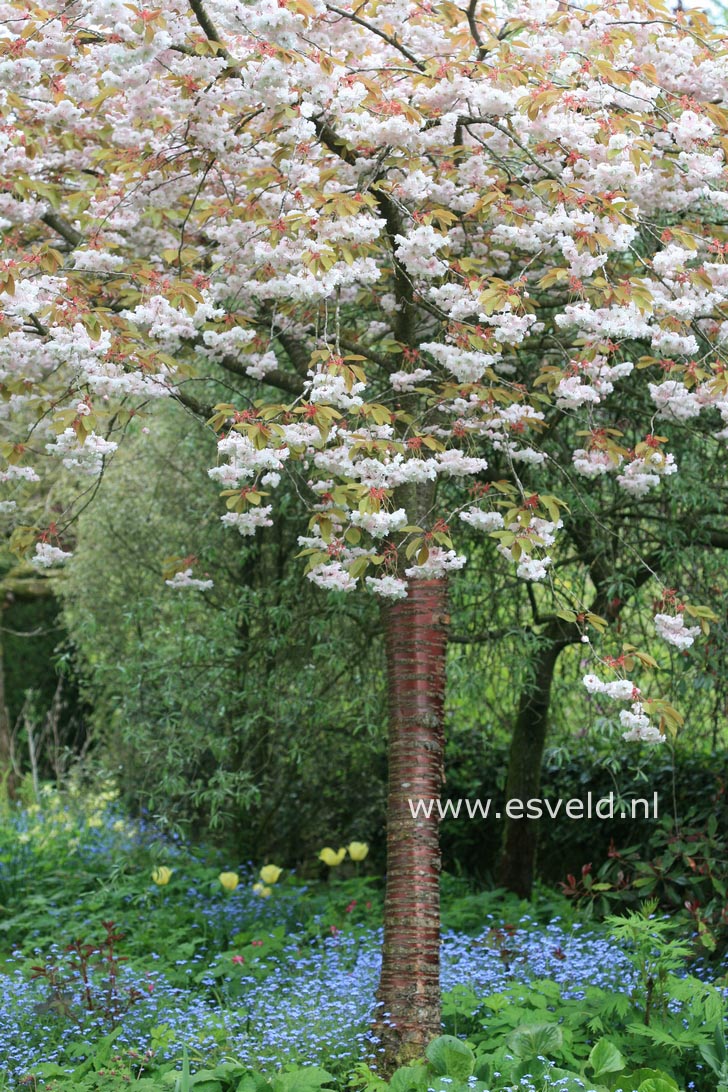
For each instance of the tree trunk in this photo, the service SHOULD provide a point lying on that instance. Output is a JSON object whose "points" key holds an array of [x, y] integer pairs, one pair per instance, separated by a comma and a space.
{"points": [[409, 987], [523, 782], [8, 775]]}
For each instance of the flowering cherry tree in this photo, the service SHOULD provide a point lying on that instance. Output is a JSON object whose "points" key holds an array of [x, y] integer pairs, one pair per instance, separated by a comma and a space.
{"points": [[409, 238]]}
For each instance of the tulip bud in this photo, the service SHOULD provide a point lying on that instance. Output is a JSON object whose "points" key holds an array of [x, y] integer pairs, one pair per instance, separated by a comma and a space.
{"points": [[162, 875], [358, 850], [229, 880], [331, 858], [270, 873]]}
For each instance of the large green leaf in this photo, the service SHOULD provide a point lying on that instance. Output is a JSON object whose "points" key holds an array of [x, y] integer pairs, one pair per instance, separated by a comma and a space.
{"points": [[451, 1057], [605, 1058], [409, 1077], [647, 1080], [305, 1079], [657, 1084], [532, 1040]]}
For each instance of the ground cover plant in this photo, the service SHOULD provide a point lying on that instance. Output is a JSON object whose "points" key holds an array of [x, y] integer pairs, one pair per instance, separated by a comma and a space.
{"points": [[133, 958]]}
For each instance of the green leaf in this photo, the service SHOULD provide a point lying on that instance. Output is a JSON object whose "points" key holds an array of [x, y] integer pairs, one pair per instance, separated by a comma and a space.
{"points": [[412, 547], [451, 1057], [531, 1040], [305, 1079], [408, 1078], [253, 1082], [715, 1053], [48, 1069], [182, 1083], [657, 1084], [605, 1058], [358, 567]]}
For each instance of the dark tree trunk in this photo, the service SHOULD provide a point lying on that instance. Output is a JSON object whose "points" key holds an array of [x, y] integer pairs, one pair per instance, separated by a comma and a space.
{"points": [[15, 588], [409, 987], [518, 858], [8, 773]]}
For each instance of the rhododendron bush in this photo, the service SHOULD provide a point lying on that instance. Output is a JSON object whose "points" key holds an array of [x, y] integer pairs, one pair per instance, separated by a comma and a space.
{"points": [[410, 242]]}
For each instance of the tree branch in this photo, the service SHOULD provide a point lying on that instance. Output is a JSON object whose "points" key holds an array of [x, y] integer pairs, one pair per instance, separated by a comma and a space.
{"points": [[63, 228], [364, 350], [210, 31], [198, 408], [405, 326], [390, 39], [207, 25], [719, 539], [295, 351], [472, 23], [480, 638], [19, 585], [333, 141], [276, 378]]}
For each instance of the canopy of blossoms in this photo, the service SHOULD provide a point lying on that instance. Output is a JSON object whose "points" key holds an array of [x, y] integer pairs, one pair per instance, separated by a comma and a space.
{"points": [[413, 238]]}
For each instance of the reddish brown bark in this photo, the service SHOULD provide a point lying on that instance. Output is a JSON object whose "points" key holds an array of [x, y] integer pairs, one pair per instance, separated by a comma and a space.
{"points": [[409, 987]]}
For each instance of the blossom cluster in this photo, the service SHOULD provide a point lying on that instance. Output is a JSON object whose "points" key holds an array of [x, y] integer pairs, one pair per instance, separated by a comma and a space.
{"points": [[672, 628], [638, 727], [185, 579]]}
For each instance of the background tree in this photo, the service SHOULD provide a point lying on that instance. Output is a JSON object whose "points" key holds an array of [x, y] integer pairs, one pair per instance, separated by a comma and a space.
{"points": [[614, 545], [226, 710]]}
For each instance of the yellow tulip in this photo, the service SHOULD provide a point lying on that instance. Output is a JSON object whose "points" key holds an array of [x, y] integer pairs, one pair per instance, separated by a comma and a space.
{"points": [[262, 891], [330, 858], [270, 873], [358, 850], [229, 880], [162, 875]]}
